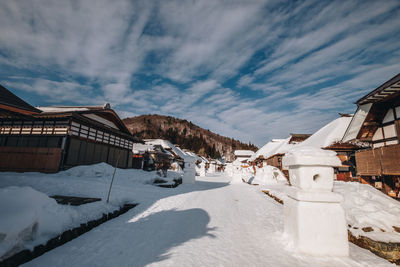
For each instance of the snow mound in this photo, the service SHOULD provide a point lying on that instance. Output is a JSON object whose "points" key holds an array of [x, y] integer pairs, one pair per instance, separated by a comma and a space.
{"points": [[96, 170], [104, 171], [27, 213], [367, 207], [269, 175]]}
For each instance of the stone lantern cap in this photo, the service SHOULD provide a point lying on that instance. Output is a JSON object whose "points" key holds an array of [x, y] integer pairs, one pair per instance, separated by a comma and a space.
{"points": [[311, 156]]}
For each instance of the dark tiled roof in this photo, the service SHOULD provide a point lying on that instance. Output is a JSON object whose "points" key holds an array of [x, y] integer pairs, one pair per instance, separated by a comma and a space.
{"points": [[9, 99], [387, 89]]}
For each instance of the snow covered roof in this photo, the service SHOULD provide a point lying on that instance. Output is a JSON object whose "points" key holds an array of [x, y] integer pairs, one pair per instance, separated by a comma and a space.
{"points": [[267, 150], [243, 153], [61, 109], [168, 145], [329, 134], [100, 114], [282, 148], [194, 155], [138, 148], [204, 159], [279, 146]]}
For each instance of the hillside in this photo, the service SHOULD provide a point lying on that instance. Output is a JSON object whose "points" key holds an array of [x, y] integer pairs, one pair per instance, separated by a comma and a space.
{"points": [[185, 134]]}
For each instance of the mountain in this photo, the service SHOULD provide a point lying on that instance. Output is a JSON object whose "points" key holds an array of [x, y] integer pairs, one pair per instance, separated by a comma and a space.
{"points": [[186, 135]]}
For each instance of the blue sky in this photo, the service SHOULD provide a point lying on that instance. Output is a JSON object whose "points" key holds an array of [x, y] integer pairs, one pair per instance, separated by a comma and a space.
{"points": [[252, 70]]}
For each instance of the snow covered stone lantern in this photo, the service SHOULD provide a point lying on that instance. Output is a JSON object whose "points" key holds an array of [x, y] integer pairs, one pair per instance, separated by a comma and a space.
{"points": [[314, 218], [189, 172]]}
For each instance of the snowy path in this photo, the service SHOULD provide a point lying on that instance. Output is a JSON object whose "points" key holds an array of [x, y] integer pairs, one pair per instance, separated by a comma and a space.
{"points": [[212, 223]]}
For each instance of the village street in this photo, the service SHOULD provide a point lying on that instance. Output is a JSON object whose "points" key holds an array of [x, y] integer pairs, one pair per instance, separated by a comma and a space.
{"points": [[211, 223]]}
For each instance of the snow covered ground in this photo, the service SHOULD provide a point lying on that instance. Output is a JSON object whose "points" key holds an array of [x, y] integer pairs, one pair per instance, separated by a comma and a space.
{"points": [[209, 223], [367, 207], [364, 206], [30, 217]]}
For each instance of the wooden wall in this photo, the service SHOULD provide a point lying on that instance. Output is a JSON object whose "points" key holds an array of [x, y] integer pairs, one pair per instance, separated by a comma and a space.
{"points": [[24, 159], [85, 152], [379, 161], [275, 161]]}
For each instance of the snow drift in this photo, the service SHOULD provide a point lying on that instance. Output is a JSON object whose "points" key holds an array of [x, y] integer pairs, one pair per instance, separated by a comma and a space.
{"points": [[27, 214], [267, 175], [367, 207]]}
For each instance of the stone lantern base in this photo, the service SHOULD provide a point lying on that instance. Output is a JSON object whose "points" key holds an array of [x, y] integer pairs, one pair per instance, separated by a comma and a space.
{"points": [[315, 221]]}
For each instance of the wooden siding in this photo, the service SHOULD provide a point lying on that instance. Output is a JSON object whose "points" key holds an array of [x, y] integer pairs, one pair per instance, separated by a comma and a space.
{"points": [[390, 160], [379, 161], [23, 159], [275, 161], [84, 152]]}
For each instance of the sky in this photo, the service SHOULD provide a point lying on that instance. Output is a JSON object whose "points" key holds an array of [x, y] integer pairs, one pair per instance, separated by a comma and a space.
{"points": [[252, 70]]}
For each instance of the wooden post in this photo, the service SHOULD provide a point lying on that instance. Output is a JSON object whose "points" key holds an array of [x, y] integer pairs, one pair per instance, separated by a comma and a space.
{"points": [[112, 180]]}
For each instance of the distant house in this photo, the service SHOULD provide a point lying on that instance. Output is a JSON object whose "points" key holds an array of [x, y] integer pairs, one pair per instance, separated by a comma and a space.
{"points": [[377, 122], [243, 155], [276, 155], [273, 152], [178, 155], [150, 157], [49, 139]]}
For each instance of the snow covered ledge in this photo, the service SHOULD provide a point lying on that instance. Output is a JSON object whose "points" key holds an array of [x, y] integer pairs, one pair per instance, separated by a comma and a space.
{"points": [[314, 217]]}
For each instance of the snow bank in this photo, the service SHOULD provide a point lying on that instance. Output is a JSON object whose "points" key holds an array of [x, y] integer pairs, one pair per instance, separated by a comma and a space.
{"points": [[27, 214], [103, 171], [367, 207], [364, 206]]}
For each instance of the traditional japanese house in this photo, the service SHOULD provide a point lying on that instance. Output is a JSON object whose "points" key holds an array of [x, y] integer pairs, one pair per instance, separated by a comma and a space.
{"points": [[330, 137], [178, 155], [260, 157], [151, 157], [377, 122], [50, 139]]}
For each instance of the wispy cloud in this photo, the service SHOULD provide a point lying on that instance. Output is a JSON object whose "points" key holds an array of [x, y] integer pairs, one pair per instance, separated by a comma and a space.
{"points": [[252, 70]]}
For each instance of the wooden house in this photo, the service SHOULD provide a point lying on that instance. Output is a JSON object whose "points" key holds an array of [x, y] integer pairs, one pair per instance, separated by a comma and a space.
{"points": [[177, 154], [50, 139], [377, 123], [284, 146], [151, 157], [330, 137]]}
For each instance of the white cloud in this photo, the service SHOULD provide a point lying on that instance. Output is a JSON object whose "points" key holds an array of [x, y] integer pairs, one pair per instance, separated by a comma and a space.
{"points": [[309, 60]]}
